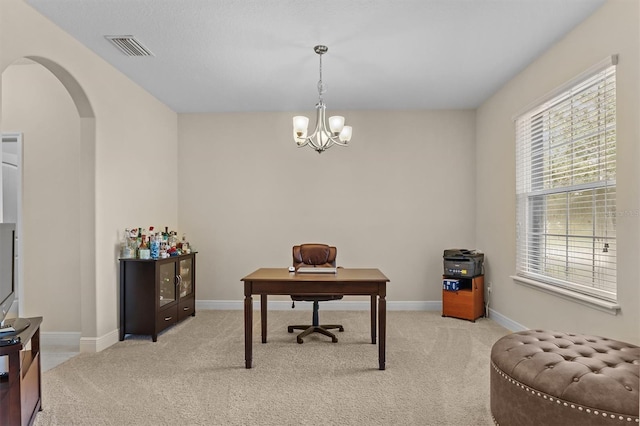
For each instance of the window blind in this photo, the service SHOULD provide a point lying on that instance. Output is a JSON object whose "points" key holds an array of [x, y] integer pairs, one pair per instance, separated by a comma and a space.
{"points": [[566, 187]]}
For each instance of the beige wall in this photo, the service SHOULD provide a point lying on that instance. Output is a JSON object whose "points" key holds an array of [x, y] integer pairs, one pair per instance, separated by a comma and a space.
{"points": [[36, 104], [127, 167], [613, 29], [400, 194]]}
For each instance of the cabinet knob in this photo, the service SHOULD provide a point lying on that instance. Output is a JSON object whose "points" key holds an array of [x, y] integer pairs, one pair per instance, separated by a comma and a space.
{"points": [[168, 318]]}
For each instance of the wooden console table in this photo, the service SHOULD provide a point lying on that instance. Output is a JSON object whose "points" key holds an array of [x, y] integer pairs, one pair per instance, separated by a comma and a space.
{"points": [[20, 390], [348, 282]]}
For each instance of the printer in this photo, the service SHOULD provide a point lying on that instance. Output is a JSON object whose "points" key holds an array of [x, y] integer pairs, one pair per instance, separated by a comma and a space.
{"points": [[463, 263]]}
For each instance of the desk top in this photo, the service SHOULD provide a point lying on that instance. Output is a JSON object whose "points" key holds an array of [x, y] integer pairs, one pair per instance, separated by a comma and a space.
{"points": [[343, 275]]}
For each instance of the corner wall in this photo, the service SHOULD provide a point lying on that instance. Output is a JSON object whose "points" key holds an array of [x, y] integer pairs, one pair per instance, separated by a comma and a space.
{"points": [[612, 29]]}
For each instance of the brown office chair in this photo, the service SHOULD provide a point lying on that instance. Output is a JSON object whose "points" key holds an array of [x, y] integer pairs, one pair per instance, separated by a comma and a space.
{"points": [[321, 256]]}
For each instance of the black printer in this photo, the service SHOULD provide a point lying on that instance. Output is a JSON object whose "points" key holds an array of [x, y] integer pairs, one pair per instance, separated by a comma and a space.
{"points": [[463, 263]]}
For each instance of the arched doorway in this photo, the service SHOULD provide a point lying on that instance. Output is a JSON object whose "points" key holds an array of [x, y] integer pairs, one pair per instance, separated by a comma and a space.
{"points": [[47, 104]]}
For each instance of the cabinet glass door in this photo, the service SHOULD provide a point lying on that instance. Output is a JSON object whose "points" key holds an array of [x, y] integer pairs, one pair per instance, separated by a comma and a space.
{"points": [[186, 277], [167, 283]]}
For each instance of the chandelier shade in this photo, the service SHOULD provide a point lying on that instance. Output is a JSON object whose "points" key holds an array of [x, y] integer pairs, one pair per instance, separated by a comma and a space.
{"points": [[323, 136]]}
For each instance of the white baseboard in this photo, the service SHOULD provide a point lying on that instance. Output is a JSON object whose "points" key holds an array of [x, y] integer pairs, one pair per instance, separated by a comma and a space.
{"points": [[97, 344], [69, 339], [507, 323], [75, 342]]}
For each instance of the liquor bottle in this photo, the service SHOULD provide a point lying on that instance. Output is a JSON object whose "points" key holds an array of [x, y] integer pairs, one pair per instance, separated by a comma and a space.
{"points": [[133, 245], [173, 240], [163, 248], [155, 246], [126, 251], [144, 252], [185, 245]]}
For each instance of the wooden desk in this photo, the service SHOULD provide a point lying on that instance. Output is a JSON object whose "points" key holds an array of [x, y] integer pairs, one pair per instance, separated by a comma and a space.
{"points": [[347, 282]]}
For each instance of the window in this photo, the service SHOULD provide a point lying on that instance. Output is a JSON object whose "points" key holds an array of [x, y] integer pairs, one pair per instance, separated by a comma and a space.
{"points": [[566, 187]]}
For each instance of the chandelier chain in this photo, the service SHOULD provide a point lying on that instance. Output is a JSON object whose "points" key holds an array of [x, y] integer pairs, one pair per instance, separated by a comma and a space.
{"points": [[321, 87]]}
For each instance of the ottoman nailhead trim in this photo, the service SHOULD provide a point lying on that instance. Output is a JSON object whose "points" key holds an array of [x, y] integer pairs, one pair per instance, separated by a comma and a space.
{"points": [[510, 379]]}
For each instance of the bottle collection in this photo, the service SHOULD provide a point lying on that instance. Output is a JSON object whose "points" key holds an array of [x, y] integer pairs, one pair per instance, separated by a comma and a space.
{"points": [[140, 243]]}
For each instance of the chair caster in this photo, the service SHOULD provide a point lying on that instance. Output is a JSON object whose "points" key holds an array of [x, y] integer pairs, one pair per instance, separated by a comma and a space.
{"points": [[290, 329], [300, 341], [341, 329], [334, 339]]}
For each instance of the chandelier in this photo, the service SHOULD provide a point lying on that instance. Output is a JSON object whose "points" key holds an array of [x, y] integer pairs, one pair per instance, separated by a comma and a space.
{"points": [[323, 137]]}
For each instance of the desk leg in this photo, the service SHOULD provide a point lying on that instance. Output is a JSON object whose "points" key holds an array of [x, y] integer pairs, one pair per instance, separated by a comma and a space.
{"points": [[248, 327], [382, 324], [263, 316], [373, 319]]}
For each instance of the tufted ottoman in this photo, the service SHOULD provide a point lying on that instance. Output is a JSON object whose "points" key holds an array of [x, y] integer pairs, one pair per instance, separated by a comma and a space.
{"points": [[551, 378]]}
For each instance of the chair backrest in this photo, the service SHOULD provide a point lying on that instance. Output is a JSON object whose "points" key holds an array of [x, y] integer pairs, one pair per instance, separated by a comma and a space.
{"points": [[321, 255]]}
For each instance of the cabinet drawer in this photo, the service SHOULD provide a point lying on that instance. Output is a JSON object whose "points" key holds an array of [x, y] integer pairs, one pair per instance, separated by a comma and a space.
{"points": [[186, 307], [458, 304], [166, 318]]}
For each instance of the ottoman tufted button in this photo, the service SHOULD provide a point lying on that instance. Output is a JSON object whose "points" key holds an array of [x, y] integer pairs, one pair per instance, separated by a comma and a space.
{"points": [[576, 379]]}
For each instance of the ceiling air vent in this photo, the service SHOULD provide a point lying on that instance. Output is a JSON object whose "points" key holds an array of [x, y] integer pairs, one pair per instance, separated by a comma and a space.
{"points": [[129, 45]]}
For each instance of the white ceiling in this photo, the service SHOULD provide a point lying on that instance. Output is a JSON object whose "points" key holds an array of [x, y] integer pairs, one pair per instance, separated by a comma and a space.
{"points": [[257, 55]]}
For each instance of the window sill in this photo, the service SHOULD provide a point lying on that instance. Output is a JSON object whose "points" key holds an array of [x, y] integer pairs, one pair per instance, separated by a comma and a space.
{"points": [[589, 301]]}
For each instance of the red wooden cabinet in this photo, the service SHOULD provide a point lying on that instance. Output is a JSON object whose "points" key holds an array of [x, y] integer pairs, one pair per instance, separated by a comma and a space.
{"points": [[467, 302]]}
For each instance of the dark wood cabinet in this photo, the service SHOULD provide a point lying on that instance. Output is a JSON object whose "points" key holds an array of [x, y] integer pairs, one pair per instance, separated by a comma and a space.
{"points": [[20, 387], [155, 294], [467, 302]]}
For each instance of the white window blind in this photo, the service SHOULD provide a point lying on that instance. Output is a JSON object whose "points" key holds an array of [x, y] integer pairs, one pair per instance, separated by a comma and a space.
{"points": [[566, 187]]}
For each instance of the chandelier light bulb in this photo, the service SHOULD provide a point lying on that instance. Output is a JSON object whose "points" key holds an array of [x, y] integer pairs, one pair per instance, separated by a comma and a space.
{"points": [[336, 124], [345, 134], [300, 125]]}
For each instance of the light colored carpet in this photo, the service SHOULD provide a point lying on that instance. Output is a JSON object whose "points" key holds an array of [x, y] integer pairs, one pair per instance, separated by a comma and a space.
{"points": [[437, 374]]}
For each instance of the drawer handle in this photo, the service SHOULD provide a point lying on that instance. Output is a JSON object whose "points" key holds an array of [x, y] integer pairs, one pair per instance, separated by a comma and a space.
{"points": [[168, 318], [186, 308]]}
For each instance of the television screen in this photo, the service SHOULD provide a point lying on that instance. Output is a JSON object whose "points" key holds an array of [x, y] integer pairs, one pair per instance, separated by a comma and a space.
{"points": [[7, 265]]}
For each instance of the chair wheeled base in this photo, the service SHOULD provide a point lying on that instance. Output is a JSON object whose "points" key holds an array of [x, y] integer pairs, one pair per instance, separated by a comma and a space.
{"points": [[322, 329], [315, 327]]}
